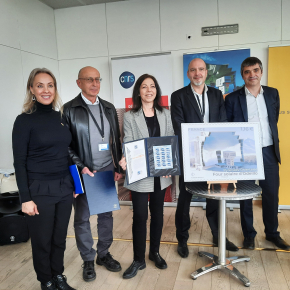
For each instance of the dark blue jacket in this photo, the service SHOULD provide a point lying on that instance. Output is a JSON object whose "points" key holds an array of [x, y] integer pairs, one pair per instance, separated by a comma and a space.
{"points": [[236, 108]]}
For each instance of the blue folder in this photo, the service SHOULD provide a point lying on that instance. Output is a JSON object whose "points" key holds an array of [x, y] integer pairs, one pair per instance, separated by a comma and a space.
{"points": [[101, 192], [77, 179]]}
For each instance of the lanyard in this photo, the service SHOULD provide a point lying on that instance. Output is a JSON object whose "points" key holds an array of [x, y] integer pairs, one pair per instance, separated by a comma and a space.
{"points": [[202, 108], [101, 130]]}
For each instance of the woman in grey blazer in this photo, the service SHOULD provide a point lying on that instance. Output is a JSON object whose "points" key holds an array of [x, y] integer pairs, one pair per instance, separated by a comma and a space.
{"points": [[146, 119]]}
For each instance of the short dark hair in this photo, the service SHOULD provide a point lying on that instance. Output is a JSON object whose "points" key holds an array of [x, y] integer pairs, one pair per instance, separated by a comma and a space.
{"points": [[250, 61], [137, 103]]}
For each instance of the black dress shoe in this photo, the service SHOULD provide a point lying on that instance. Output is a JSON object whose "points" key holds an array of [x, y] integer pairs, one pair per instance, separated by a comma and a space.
{"points": [[133, 269], [48, 286], [159, 261], [229, 245], [110, 263], [279, 242], [182, 249], [249, 243], [61, 284], [89, 273]]}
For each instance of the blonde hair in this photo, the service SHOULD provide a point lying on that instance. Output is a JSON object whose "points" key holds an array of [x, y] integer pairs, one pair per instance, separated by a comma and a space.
{"points": [[28, 106]]}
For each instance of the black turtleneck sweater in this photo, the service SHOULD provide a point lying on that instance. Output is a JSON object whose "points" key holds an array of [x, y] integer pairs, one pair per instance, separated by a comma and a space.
{"points": [[40, 147]]}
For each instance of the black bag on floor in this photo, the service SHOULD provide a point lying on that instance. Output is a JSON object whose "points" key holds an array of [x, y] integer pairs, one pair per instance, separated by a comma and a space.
{"points": [[13, 229], [13, 225]]}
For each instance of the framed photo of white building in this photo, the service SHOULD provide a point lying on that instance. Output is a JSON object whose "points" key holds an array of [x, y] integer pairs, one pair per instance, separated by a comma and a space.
{"points": [[222, 151]]}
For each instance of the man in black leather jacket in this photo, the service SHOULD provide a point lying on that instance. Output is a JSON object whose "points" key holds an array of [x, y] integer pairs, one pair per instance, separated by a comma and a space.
{"points": [[95, 146], [76, 109]]}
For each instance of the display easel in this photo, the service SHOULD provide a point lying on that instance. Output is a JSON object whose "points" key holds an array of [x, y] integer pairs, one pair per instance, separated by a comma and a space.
{"points": [[222, 181]]}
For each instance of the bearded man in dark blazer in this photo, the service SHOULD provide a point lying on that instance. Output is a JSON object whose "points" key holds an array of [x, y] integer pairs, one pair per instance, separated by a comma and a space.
{"points": [[195, 103], [256, 103]]}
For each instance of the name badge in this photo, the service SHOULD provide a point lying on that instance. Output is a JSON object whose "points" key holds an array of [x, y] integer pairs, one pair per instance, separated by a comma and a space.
{"points": [[103, 147]]}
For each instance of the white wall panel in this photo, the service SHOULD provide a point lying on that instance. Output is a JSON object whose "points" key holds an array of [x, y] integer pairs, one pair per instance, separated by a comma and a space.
{"points": [[186, 17], [12, 97], [69, 70], [133, 27], [259, 21], [285, 19], [31, 61], [286, 42], [259, 50], [9, 34], [36, 28], [81, 32]]}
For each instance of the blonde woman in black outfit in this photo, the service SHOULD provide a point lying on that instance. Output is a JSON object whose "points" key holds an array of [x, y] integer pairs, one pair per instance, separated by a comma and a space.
{"points": [[40, 148]]}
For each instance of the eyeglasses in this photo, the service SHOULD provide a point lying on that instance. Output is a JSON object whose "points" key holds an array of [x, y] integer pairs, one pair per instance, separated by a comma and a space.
{"points": [[91, 80]]}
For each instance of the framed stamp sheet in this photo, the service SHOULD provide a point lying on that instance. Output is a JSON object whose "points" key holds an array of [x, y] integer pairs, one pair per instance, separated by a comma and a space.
{"points": [[152, 157], [222, 151]]}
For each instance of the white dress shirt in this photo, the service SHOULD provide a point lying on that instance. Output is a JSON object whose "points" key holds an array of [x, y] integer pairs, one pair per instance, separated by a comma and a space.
{"points": [[89, 102], [206, 112], [257, 112]]}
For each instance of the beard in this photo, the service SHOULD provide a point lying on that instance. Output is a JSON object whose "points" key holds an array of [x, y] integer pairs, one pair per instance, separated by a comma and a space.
{"points": [[198, 83]]}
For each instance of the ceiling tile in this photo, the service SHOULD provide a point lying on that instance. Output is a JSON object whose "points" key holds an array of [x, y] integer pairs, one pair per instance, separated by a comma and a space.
{"points": [[56, 4]]}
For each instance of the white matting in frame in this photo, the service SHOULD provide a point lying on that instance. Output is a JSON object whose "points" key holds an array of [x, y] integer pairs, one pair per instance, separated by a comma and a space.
{"points": [[222, 151]]}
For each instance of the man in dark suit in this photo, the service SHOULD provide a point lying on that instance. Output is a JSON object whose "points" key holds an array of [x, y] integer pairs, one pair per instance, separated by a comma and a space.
{"points": [[195, 103], [256, 103]]}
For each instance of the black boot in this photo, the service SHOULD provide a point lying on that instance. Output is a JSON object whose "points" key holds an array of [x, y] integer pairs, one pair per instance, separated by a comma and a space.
{"points": [[279, 242], [61, 284], [133, 269], [249, 243], [229, 245], [110, 263], [182, 249], [89, 273], [48, 286], [159, 261]]}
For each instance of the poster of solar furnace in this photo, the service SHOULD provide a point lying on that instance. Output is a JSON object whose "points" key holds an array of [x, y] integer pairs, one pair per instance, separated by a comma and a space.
{"points": [[222, 151]]}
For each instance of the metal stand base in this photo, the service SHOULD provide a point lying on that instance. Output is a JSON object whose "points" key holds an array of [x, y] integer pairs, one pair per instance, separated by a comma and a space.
{"points": [[217, 265], [244, 190]]}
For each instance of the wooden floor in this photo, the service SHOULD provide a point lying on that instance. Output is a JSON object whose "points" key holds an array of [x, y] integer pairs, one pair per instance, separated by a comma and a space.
{"points": [[266, 270]]}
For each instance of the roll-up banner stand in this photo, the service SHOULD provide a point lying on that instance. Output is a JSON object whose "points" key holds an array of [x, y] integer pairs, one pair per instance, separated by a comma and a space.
{"points": [[125, 71], [278, 77]]}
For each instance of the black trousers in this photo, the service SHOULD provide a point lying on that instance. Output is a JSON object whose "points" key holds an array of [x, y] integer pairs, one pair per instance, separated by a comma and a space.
{"points": [[48, 230], [140, 216], [270, 198], [182, 218]]}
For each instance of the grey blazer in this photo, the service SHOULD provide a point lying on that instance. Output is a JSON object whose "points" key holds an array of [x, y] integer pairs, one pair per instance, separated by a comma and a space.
{"points": [[135, 128]]}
